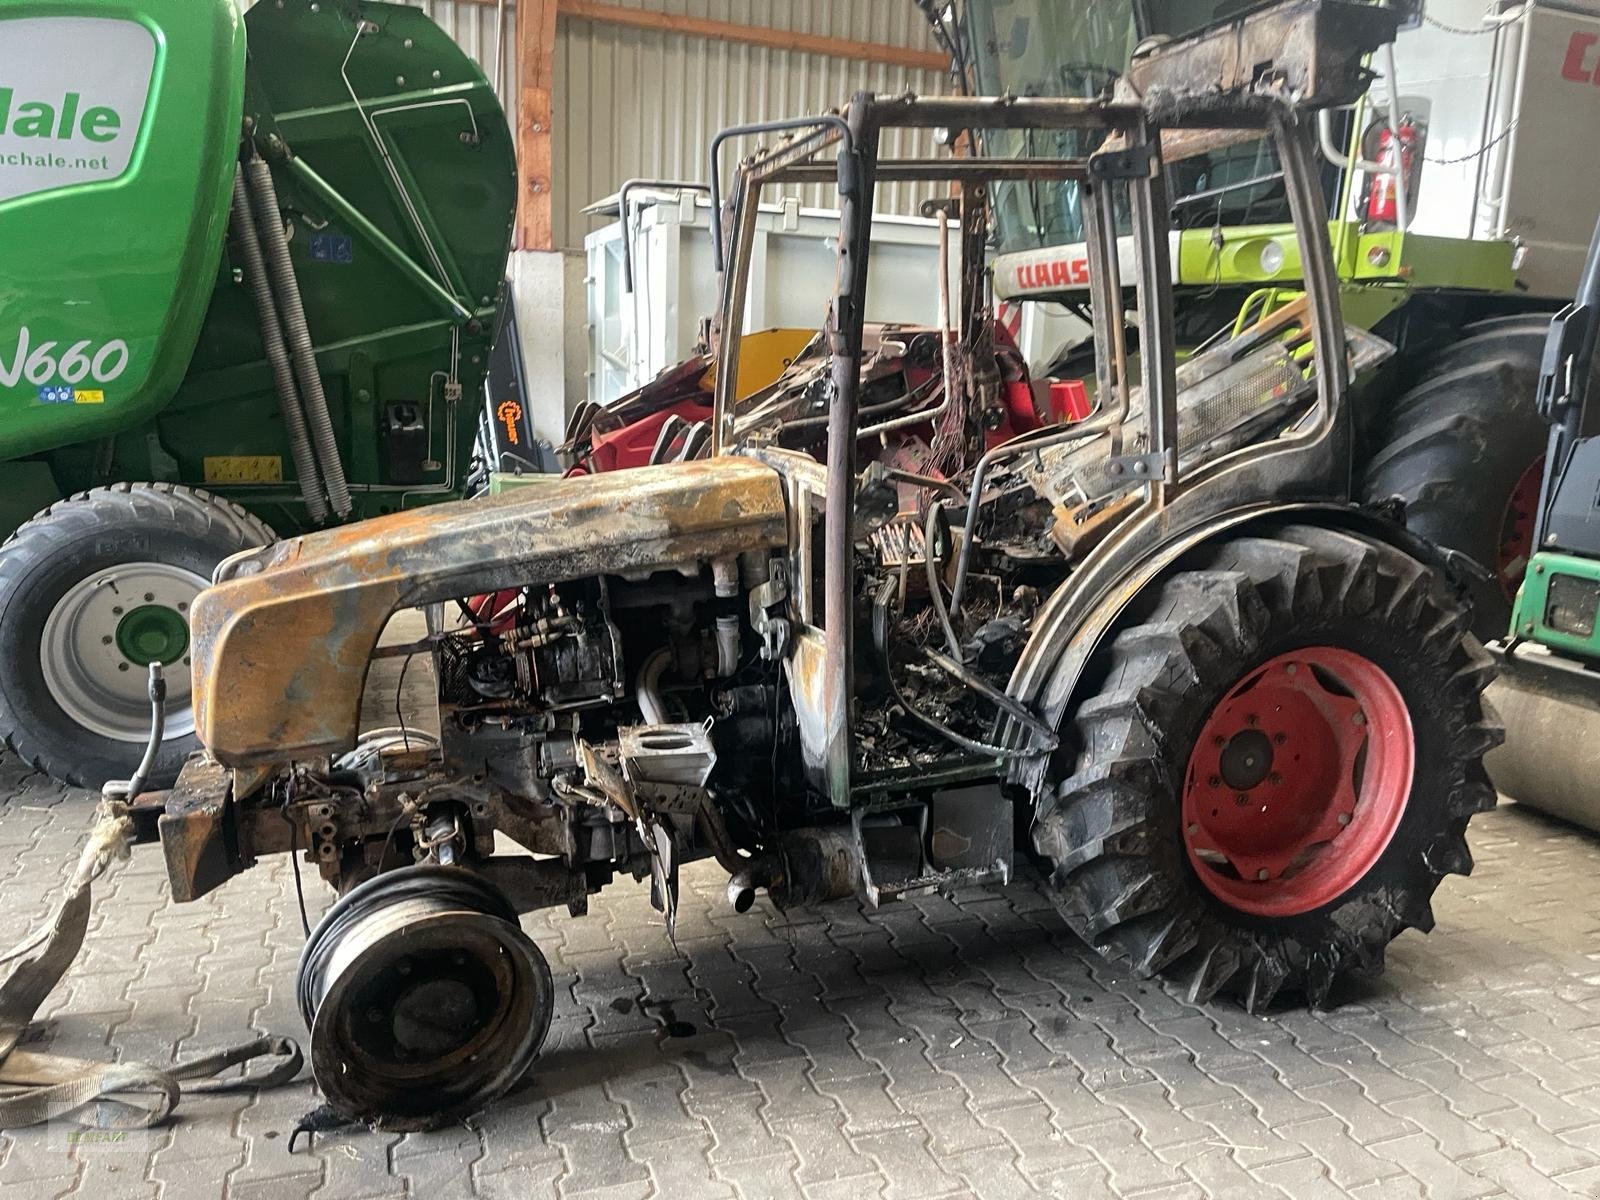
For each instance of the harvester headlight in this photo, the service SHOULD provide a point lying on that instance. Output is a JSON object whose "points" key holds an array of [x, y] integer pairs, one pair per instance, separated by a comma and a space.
{"points": [[1271, 257]]}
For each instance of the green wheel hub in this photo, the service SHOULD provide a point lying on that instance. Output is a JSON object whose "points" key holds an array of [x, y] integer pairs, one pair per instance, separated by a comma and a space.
{"points": [[153, 633]]}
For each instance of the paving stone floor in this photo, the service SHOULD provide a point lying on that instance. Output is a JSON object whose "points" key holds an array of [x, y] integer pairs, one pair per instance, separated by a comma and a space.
{"points": [[934, 1048]]}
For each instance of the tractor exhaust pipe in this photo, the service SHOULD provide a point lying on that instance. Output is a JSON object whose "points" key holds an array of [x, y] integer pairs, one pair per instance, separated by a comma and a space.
{"points": [[810, 866], [741, 891], [269, 223], [424, 998], [294, 420]]}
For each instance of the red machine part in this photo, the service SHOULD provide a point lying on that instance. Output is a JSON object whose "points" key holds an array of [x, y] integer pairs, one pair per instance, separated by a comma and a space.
{"points": [[631, 445], [1516, 528]]}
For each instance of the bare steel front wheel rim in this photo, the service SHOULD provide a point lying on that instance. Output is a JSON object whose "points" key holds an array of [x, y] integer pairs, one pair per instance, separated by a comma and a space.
{"points": [[425, 999]]}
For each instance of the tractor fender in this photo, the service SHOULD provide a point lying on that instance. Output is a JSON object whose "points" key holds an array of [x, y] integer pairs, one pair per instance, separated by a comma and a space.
{"points": [[1074, 624]]}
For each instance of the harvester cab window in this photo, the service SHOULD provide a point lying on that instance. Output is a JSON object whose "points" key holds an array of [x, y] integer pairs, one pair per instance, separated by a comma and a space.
{"points": [[1080, 49]]}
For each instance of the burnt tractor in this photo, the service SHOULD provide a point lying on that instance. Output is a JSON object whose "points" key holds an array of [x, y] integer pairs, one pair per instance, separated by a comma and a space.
{"points": [[891, 622]]}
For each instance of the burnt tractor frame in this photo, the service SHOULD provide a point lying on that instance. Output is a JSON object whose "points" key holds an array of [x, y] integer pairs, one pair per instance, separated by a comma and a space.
{"points": [[873, 633]]}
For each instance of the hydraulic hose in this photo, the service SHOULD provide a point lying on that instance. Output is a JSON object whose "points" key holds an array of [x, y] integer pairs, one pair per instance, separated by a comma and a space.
{"points": [[294, 420], [264, 198], [158, 725]]}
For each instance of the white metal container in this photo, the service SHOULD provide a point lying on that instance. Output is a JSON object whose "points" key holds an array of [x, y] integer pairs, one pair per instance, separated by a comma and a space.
{"points": [[634, 336]]}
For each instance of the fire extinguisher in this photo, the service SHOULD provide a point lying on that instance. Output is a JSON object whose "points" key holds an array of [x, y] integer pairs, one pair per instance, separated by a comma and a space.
{"points": [[1396, 150]]}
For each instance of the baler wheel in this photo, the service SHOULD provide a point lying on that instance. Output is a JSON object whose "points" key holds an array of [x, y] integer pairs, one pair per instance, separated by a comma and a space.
{"points": [[1278, 768], [91, 591]]}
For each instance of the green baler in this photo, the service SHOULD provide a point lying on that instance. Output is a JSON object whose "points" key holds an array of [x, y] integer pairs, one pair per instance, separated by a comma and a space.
{"points": [[250, 270]]}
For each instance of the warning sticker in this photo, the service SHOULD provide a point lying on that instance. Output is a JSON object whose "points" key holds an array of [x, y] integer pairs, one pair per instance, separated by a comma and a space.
{"points": [[243, 468], [61, 394]]}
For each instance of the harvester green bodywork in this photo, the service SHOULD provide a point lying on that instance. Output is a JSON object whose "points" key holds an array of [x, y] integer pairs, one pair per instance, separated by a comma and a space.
{"points": [[129, 346]]}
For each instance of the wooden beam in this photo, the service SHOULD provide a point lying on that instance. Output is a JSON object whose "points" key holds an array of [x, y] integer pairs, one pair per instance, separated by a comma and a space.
{"points": [[752, 35], [536, 54]]}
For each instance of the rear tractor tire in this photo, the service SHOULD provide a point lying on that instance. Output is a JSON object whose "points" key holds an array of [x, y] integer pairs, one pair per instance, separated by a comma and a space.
{"points": [[92, 590], [1464, 449], [1277, 771]]}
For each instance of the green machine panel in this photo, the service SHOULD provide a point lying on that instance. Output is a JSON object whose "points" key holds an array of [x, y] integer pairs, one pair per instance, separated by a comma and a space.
{"points": [[130, 346], [396, 172], [118, 128]]}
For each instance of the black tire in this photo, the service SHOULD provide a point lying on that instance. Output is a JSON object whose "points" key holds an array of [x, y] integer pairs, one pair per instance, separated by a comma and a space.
{"points": [[1121, 874], [1455, 447], [91, 532]]}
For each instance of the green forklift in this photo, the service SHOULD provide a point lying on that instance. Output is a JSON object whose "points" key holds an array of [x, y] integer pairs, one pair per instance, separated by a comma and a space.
{"points": [[251, 274]]}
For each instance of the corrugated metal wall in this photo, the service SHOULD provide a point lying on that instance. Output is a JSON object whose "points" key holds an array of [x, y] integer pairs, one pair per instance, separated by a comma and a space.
{"points": [[642, 102]]}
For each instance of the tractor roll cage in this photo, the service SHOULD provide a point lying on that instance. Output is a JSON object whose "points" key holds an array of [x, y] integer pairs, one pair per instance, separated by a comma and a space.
{"points": [[1197, 94], [1132, 159]]}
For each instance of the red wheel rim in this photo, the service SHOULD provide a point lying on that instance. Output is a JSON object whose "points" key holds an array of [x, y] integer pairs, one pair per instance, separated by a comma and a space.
{"points": [[1297, 781], [1516, 528]]}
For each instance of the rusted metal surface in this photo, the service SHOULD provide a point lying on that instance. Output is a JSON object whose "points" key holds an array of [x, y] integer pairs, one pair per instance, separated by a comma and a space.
{"points": [[281, 645], [1310, 53], [195, 830], [845, 317], [820, 725], [145, 812], [533, 883]]}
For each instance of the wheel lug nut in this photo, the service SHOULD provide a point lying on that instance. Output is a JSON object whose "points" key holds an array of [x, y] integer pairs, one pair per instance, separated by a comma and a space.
{"points": [[1215, 781], [1261, 875], [1359, 718], [1219, 742], [1193, 829], [1241, 798], [149, 596], [1344, 818], [117, 609], [1275, 779], [1279, 739], [1290, 669], [106, 641]]}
